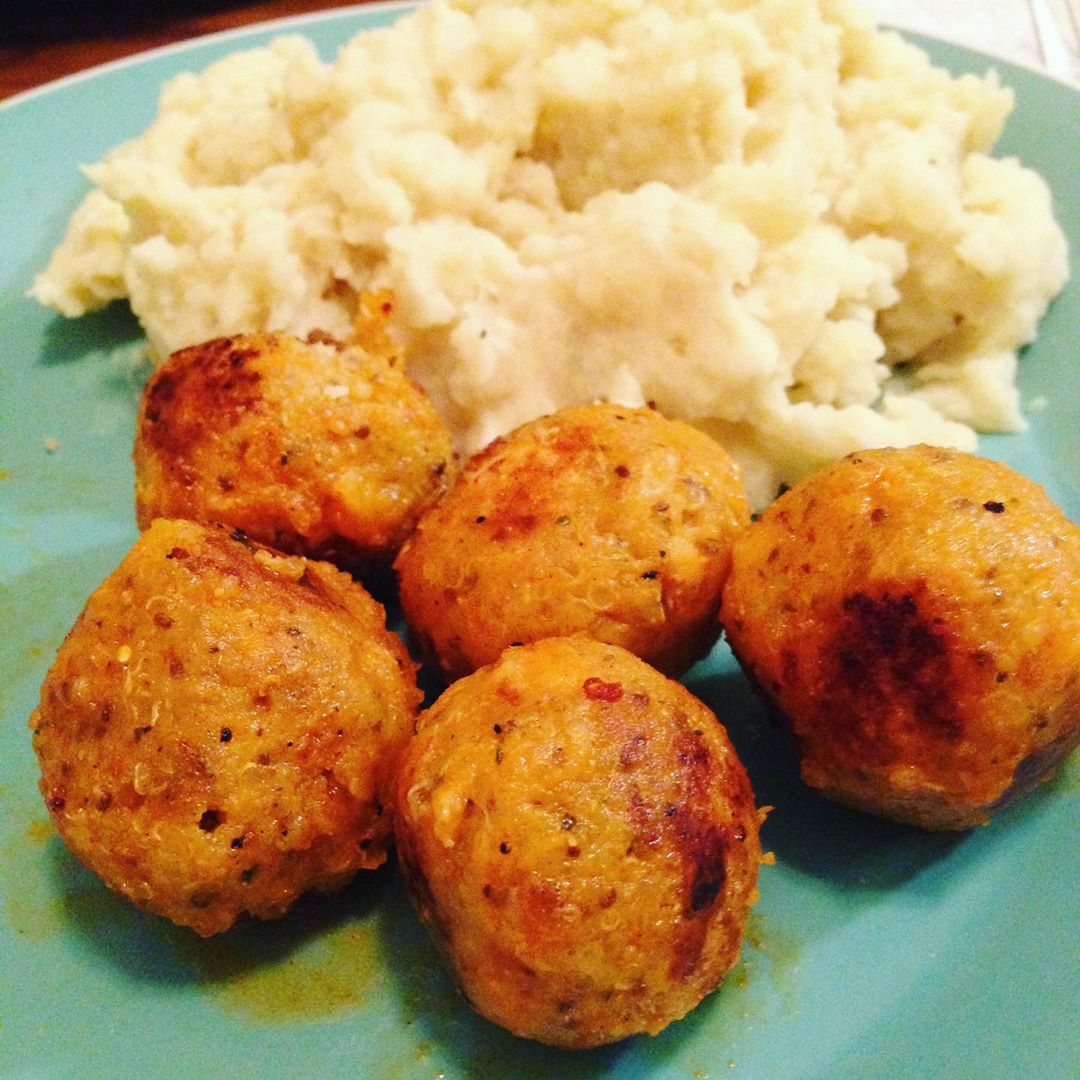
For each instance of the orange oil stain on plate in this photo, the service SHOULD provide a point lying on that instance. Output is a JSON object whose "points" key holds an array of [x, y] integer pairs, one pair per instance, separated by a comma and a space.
{"points": [[330, 973], [31, 907]]}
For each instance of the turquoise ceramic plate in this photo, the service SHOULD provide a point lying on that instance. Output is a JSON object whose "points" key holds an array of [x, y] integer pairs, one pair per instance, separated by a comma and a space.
{"points": [[876, 951]]}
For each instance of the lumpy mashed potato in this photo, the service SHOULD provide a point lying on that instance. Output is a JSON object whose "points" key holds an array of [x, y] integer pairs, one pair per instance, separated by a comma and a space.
{"points": [[770, 219]]}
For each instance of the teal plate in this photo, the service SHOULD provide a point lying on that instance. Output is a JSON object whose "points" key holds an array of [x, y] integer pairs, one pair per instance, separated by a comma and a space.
{"points": [[876, 950]]}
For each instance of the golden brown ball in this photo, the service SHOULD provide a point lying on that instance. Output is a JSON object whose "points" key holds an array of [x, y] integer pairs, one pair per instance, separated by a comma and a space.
{"points": [[610, 522], [915, 614], [218, 731], [581, 840], [314, 448]]}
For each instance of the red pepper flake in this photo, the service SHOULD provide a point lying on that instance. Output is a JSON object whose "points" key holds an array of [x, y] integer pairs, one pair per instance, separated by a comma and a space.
{"points": [[622, 470], [596, 689]]}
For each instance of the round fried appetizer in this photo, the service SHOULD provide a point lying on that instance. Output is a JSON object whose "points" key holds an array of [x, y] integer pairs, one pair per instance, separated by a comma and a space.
{"points": [[218, 731], [915, 614], [604, 521], [581, 840], [314, 448]]}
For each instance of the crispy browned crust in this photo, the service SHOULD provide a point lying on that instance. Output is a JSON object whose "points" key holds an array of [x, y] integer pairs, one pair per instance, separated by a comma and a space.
{"points": [[581, 840], [915, 614], [219, 728], [616, 523], [315, 448]]}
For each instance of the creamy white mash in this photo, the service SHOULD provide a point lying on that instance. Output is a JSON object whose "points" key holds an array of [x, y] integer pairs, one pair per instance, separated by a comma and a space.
{"points": [[769, 218]]}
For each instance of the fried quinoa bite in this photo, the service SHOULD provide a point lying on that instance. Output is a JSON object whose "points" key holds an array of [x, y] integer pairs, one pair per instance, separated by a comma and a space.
{"points": [[610, 522], [219, 729], [313, 447], [915, 615], [580, 838]]}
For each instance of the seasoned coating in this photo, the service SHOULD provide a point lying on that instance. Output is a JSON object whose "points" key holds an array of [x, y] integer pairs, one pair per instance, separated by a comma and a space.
{"points": [[915, 614], [314, 448], [218, 731], [610, 522], [581, 840]]}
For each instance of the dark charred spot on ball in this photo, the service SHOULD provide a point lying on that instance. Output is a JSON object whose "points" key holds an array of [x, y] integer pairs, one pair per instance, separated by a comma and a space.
{"points": [[994, 507], [892, 659], [160, 391], [210, 820]]}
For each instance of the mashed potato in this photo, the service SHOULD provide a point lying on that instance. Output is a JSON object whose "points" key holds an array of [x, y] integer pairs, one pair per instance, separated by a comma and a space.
{"points": [[749, 214]]}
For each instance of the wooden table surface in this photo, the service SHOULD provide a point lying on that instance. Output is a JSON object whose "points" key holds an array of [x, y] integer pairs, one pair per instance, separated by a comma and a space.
{"points": [[52, 38]]}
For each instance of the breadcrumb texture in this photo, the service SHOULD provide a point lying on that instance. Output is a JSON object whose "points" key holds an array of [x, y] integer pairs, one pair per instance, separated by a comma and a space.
{"points": [[600, 520], [310, 447], [580, 839], [749, 214], [915, 615], [218, 731]]}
